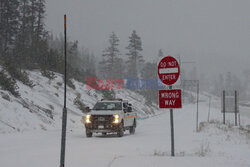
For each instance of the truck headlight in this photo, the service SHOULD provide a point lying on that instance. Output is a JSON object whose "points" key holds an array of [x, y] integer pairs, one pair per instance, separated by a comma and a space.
{"points": [[88, 119], [116, 118]]}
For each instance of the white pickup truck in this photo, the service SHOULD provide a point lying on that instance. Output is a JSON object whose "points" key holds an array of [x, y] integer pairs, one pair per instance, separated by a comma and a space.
{"points": [[110, 116]]}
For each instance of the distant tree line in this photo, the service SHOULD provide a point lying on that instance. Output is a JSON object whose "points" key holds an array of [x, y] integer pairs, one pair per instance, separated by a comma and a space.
{"points": [[25, 44], [131, 64], [114, 64]]}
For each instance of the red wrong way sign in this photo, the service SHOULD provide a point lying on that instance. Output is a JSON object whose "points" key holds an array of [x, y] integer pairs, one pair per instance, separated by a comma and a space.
{"points": [[168, 70], [170, 98]]}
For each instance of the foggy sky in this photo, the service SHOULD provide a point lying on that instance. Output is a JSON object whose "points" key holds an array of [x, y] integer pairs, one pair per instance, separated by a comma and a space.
{"points": [[214, 33]]}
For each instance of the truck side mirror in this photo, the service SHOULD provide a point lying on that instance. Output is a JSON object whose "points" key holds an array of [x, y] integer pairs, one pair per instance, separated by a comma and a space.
{"points": [[129, 109], [87, 109]]}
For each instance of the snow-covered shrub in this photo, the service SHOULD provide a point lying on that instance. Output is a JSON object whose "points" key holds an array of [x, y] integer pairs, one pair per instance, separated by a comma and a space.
{"points": [[18, 74], [107, 93], [9, 84], [48, 74], [80, 105], [71, 84], [204, 150], [6, 97], [59, 83]]}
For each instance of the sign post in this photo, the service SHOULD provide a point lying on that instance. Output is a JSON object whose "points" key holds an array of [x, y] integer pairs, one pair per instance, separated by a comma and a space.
{"points": [[169, 72], [172, 128]]}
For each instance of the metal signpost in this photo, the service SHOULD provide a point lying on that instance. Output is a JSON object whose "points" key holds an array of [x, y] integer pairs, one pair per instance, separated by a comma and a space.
{"points": [[169, 72]]}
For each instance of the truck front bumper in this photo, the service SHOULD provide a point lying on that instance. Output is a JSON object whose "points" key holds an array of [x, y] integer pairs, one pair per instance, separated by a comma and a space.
{"points": [[102, 128]]}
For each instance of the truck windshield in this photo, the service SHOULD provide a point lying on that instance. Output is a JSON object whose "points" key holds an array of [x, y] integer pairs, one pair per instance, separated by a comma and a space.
{"points": [[108, 106]]}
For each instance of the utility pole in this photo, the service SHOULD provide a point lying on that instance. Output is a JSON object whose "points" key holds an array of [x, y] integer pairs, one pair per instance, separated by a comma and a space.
{"points": [[64, 118]]}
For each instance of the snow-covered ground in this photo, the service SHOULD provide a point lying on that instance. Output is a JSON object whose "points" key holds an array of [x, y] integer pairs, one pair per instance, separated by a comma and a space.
{"points": [[30, 132], [214, 145]]}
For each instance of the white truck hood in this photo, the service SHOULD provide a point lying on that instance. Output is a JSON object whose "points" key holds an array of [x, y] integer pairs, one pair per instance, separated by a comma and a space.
{"points": [[106, 112]]}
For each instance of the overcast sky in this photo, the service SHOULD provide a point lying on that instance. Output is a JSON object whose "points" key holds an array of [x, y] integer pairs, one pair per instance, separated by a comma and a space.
{"points": [[214, 33]]}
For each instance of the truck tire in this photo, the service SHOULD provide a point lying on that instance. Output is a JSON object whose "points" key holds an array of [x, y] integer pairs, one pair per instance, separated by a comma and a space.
{"points": [[132, 128], [120, 131], [88, 133]]}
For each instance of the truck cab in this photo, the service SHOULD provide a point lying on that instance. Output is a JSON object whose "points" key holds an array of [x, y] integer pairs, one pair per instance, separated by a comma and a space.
{"points": [[110, 116]]}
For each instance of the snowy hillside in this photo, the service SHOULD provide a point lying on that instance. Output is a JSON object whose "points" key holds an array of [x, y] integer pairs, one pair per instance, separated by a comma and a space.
{"points": [[40, 107]]}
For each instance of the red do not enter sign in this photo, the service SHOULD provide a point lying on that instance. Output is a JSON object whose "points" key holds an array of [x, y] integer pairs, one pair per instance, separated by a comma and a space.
{"points": [[168, 70]]}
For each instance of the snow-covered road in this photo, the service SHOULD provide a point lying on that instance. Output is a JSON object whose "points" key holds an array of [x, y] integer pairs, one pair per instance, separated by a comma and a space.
{"points": [[150, 146]]}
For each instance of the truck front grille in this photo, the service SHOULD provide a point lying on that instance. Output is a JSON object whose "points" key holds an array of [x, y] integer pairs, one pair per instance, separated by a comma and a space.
{"points": [[102, 119]]}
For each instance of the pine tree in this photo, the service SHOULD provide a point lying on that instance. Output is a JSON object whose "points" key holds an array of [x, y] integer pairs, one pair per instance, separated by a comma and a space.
{"points": [[149, 73], [119, 68], [134, 49], [8, 25], [39, 47], [40, 29], [103, 71], [110, 55], [159, 56], [92, 65], [73, 53], [160, 53], [31, 45]]}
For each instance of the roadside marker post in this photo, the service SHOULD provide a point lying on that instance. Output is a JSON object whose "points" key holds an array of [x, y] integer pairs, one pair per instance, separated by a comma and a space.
{"points": [[64, 117], [169, 72]]}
